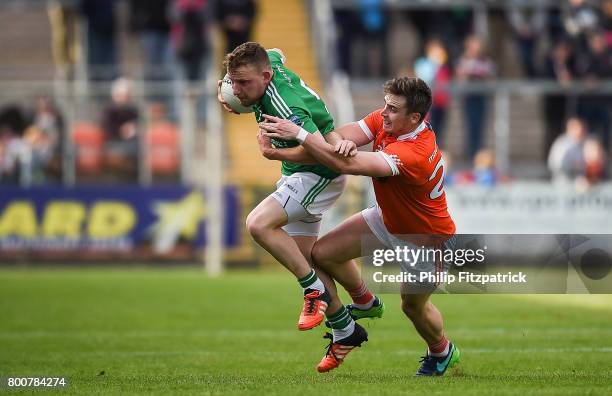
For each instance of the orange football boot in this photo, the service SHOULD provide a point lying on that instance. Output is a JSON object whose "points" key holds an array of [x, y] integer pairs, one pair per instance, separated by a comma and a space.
{"points": [[313, 312], [337, 351]]}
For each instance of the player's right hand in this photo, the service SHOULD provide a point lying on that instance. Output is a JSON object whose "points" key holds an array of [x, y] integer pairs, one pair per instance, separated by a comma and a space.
{"points": [[265, 144], [223, 102], [347, 148]]}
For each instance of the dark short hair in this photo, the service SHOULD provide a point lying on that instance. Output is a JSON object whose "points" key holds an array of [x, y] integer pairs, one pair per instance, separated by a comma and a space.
{"points": [[416, 92], [247, 54]]}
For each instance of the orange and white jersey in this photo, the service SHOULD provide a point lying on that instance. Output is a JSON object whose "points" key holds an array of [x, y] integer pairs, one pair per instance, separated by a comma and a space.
{"points": [[412, 201]]}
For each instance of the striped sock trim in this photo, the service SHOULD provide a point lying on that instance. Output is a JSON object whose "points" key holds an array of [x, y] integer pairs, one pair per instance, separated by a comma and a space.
{"points": [[309, 279], [439, 347], [340, 319], [337, 314], [362, 297]]}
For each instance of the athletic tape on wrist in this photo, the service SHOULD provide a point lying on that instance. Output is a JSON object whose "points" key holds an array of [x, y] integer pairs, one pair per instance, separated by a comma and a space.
{"points": [[301, 136]]}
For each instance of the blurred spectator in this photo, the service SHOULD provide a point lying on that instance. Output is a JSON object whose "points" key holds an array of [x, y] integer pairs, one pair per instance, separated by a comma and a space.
{"points": [[119, 122], [560, 66], [372, 39], [566, 156], [554, 25], [15, 153], [593, 66], [190, 36], [157, 114], [63, 17], [594, 161], [424, 23], [150, 19], [528, 23], [484, 172], [561, 63], [455, 26], [474, 65], [13, 119], [120, 117], [451, 25], [235, 17], [44, 135], [345, 20], [579, 20], [434, 70], [101, 39], [452, 176], [606, 21]]}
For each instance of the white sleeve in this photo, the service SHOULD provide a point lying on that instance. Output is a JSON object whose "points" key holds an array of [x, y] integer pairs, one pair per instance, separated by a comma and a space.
{"points": [[365, 129], [391, 162]]}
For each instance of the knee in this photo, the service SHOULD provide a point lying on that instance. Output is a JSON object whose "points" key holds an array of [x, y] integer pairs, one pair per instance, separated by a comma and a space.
{"points": [[318, 255], [412, 309], [256, 225]]}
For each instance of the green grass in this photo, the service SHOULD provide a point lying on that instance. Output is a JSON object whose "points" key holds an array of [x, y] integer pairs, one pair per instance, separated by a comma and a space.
{"points": [[179, 332]]}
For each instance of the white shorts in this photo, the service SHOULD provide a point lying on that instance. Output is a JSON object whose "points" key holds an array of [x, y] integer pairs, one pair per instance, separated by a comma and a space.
{"points": [[305, 196], [374, 219]]}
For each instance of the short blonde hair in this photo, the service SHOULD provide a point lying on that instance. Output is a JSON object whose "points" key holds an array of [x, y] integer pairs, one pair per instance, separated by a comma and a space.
{"points": [[247, 54]]}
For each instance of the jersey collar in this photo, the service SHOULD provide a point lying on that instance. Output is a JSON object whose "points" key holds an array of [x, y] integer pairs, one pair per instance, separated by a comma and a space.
{"points": [[412, 135]]}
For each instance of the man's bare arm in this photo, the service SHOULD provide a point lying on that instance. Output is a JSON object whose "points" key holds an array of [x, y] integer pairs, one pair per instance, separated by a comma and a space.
{"points": [[345, 141], [297, 154], [362, 163], [353, 132]]}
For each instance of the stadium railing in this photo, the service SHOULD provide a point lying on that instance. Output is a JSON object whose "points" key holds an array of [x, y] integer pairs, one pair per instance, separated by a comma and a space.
{"points": [[193, 110]]}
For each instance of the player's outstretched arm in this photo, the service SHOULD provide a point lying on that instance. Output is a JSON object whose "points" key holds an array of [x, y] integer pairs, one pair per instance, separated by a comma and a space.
{"points": [[297, 154], [363, 163], [347, 138], [353, 132]]}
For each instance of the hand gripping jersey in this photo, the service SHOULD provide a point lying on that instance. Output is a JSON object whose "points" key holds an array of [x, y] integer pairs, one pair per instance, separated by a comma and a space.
{"points": [[288, 97], [412, 201]]}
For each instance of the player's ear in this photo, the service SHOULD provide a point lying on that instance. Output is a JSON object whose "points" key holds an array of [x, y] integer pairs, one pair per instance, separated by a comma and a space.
{"points": [[415, 118], [267, 75]]}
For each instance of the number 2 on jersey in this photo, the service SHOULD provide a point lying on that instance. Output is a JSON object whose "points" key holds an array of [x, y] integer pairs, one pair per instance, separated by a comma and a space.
{"points": [[438, 190]]}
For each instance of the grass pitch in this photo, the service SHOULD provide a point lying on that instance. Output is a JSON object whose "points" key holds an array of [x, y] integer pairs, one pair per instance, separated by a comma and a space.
{"points": [[179, 332]]}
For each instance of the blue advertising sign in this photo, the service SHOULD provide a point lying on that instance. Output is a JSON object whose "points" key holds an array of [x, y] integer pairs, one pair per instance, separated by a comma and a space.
{"points": [[100, 221]]}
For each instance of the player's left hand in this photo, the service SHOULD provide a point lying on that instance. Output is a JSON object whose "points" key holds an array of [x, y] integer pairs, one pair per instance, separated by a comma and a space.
{"points": [[279, 128], [347, 148]]}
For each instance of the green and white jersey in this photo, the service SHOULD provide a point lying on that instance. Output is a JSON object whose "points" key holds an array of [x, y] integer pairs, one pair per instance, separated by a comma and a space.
{"points": [[288, 97]]}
